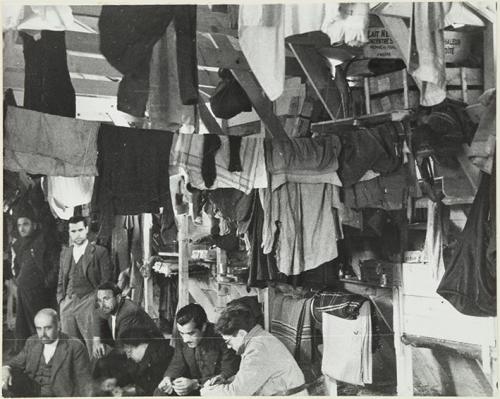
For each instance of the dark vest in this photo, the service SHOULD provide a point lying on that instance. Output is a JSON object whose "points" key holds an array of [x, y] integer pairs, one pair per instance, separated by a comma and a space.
{"points": [[42, 376], [78, 283]]}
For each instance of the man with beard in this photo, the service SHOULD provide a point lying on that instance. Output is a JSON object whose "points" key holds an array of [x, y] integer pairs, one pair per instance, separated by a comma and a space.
{"points": [[83, 267], [115, 317], [50, 364], [35, 269]]}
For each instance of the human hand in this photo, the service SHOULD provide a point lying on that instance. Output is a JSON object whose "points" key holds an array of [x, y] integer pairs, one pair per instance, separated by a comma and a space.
{"points": [[165, 385], [98, 348], [183, 386], [6, 377], [218, 379]]}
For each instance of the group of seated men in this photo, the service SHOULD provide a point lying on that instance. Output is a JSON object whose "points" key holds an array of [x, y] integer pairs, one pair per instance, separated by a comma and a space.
{"points": [[130, 356]]}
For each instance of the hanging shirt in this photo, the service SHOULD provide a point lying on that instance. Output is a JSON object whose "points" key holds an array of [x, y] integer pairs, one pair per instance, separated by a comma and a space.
{"points": [[301, 222]]}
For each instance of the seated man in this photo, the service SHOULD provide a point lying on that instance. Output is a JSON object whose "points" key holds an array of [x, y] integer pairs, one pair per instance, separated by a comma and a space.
{"points": [[200, 356], [50, 364], [267, 367], [116, 315], [152, 356]]}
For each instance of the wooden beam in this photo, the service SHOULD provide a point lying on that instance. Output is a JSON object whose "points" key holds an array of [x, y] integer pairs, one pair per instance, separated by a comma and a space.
{"points": [[319, 76], [146, 224], [263, 106], [90, 11], [183, 239], [209, 120]]}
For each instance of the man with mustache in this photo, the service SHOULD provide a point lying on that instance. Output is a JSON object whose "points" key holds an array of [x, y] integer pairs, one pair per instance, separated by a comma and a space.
{"points": [[50, 364]]}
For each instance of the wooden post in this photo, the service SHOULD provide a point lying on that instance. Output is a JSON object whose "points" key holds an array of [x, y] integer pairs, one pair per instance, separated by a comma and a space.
{"points": [[183, 260], [366, 83], [146, 224], [463, 80]]}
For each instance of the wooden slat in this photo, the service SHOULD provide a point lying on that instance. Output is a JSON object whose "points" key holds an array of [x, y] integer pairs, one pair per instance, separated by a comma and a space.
{"points": [[209, 120], [92, 11], [84, 87]]}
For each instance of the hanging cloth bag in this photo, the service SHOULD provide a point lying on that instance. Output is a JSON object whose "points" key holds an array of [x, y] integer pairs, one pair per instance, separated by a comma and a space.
{"points": [[229, 98], [469, 282]]}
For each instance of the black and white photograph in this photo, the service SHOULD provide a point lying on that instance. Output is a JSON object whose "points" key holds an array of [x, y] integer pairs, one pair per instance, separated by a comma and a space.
{"points": [[292, 198]]}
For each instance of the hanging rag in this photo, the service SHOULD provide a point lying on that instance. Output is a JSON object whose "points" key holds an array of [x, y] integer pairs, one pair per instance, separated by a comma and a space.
{"points": [[270, 24], [234, 205], [483, 145], [303, 160], [469, 282], [347, 346], [133, 178], [427, 63], [51, 145], [127, 37], [433, 248], [65, 193], [301, 223], [165, 108], [187, 154], [47, 83], [291, 324]]}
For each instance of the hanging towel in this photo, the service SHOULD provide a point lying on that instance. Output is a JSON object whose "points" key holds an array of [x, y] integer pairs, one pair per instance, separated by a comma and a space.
{"points": [[303, 160], [165, 108], [187, 154], [51, 145], [291, 324], [483, 145], [64, 193], [301, 223], [347, 347], [133, 173], [427, 64]]}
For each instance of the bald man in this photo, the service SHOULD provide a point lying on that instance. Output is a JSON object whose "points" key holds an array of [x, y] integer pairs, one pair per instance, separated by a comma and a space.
{"points": [[50, 364]]}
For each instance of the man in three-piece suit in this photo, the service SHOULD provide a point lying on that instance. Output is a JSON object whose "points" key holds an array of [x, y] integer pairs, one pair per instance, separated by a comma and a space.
{"points": [[83, 267], [50, 364]]}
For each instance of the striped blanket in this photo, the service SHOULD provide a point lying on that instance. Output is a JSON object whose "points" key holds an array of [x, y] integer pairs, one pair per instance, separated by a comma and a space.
{"points": [[187, 155], [291, 324]]}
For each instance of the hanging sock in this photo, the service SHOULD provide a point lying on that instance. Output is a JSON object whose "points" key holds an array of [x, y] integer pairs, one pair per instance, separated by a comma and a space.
{"points": [[234, 154], [211, 145]]}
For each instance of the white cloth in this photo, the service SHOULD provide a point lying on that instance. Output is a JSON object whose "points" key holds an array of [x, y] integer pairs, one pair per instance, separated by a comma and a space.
{"points": [[269, 24], [49, 350], [482, 149], [79, 250], [64, 193], [347, 345], [113, 326], [429, 71], [433, 249], [38, 18]]}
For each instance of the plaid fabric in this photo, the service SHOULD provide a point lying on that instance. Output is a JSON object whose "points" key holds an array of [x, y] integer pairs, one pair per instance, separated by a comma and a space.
{"points": [[187, 155]]}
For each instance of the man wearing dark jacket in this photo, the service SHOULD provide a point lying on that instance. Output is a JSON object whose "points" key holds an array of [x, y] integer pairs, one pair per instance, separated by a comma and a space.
{"points": [[50, 364], [116, 315], [200, 356], [83, 267], [35, 269]]}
